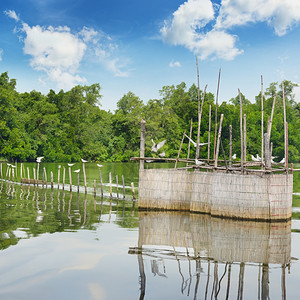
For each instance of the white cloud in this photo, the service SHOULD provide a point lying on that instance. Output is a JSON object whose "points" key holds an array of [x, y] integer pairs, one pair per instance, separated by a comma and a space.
{"points": [[202, 27], [187, 28], [12, 14], [280, 14], [59, 52], [1, 53], [55, 51], [174, 64]]}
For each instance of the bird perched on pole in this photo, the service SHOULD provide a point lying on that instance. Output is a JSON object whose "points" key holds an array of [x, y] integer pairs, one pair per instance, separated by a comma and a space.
{"points": [[198, 162], [39, 159], [255, 158], [77, 171], [233, 157], [100, 166], [156, 147], [84, 161], [282, 161]]}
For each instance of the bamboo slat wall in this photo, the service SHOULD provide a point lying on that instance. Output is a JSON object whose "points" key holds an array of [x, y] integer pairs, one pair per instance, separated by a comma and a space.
{"points": [[254, 197]]}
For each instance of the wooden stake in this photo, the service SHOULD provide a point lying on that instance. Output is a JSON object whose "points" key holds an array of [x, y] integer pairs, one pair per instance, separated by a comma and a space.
{"points": [[78, 182], [58, 176], [34, 176], [64, 177], [262, 123], [110, 186], [123, 182], [117, 183], [84, 177], [241, 130], [21, 171], [180, 149], [70, 179], [45, 176], [189, 145], [142, 143], [218, 141], [285, 128], [51, 176], [101, 183], [95, 187], [28, 174], [209, 129], [272, 114], [133, 192], [286, 147]]}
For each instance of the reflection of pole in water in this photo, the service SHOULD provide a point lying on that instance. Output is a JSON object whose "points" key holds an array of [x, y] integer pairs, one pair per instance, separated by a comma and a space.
{"points": [[101, 209], [259, 274], [241, 281], [142, 274], [207, 282], [265, 282], [219, 285], [215, 283], [228, 281], [198, 268], [283, 289]]}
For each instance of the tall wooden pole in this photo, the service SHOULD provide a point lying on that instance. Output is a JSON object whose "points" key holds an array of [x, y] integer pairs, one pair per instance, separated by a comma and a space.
{"points": [[142, 143], [216, 114], [209, 129], [198, 131], [272, 114], [245, 140], [199, 125], [262, 122], [189, 145], [230, 146], [218, 142], [241, 130], [285, 128]]}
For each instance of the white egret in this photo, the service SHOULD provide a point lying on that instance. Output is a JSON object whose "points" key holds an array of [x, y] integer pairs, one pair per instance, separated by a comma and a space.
{"points": [[100, 166], [84, 161], [71, 165], [156, 147], [282, 161], [77, 171], [163, 154], [233, 156], [194, 143], [255, 158], [258, 157], [199, 162], [39, 159]]}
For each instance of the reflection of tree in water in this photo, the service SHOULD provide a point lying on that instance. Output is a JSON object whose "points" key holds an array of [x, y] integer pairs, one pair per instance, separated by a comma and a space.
{"points": [[36, 210], [212, 265]]}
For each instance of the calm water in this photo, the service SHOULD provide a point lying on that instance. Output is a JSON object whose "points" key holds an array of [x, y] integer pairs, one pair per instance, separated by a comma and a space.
{"points": [[61, 245]]}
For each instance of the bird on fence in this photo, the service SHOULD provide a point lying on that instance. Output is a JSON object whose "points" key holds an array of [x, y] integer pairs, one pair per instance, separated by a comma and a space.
{"points": [[71, 165], [77, 171], [163, 154], [258, 157], [194, 143], [149, 160], [255, 158], [273, 157], [84, 161], [39, 159], [100, 166], [282, 161], [156, 147], [233, 156], [198, 162]]}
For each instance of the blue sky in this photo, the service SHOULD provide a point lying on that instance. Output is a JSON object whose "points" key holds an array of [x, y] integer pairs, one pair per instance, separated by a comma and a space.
{"points": [[141, 46]]}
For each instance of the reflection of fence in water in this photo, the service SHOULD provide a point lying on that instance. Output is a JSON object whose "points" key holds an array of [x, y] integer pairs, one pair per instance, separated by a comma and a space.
{"points": [[201, 238]]}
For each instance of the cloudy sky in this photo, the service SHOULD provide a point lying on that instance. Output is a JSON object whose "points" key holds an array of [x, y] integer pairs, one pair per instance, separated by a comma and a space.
{"points": [[143, 45]]}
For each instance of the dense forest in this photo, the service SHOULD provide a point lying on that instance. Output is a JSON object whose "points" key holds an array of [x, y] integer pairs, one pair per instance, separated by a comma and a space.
{"points": [[67, 126]]}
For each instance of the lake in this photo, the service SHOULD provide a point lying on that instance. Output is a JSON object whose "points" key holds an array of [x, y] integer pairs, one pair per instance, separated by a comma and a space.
{"points": [[61, 245]]}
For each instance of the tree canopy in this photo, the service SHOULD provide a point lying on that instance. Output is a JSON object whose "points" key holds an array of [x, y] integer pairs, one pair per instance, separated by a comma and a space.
{"points": [[67, 126]]}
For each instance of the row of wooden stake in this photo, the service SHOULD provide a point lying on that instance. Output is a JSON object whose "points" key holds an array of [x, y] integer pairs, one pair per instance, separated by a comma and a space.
{"points": [[11, 173]]}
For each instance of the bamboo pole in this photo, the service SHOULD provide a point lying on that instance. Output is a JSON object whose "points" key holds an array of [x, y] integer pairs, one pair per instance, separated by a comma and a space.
{"points": [[34, 176], [45, 176], [28, 174], [262, 123], [180, 149], [142, 143], [216, 114], [78, 182], [272, 114], [230, 145], [209, 129], [95, 187], [241, 129], [58, 176], [21, 171], [189, 144], [218, 141], [245, 139], [286, 147]]}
